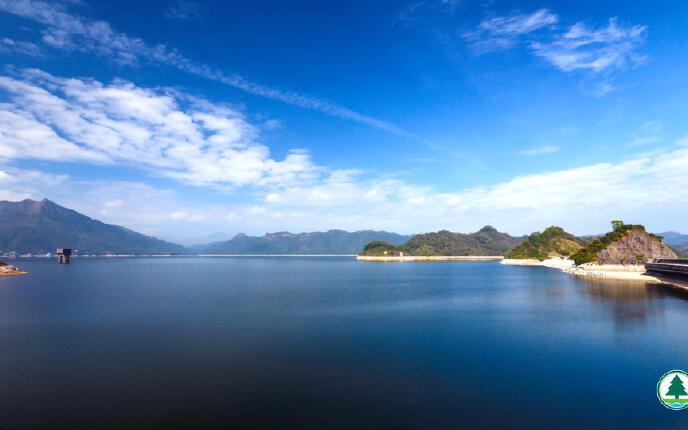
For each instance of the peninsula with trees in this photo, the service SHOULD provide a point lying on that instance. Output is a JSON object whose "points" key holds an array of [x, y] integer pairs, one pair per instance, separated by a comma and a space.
{"points": [[618, 254], [485, 244]]}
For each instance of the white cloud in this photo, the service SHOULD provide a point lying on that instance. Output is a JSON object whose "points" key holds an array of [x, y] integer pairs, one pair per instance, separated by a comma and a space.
{"points": [[589, 195], [503, 32], [539, 150], [582, 48], [582, 199], [599, 51], [192, 140], [189, 216], [519, 24], [18, 184], [11, 46], [74, 33]]}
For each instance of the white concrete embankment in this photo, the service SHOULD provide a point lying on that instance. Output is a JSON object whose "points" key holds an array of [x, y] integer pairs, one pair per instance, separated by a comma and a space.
{"points": [[431, 258]]}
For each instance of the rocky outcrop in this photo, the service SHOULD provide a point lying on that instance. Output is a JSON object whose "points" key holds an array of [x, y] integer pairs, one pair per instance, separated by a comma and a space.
{"points": [[636, 247], [627, 244], [7, 269]]}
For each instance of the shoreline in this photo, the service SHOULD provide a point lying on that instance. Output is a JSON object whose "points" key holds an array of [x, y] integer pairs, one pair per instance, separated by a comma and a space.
{"points": [[431, 258], [612, 272], [14, 273], [10, 270], [619, 272], [554, 263]]}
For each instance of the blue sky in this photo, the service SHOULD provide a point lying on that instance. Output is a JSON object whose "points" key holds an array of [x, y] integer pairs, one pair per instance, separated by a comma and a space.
{"points": [[181, 119]]}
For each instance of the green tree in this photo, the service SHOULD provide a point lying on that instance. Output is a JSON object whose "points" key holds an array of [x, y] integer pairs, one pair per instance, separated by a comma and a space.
{"points": [[676, 389], [617, 225], [377, 244]]}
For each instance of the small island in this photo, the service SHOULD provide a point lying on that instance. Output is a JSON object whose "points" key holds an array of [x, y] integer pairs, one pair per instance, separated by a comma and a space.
{"points": [[9, 270]]}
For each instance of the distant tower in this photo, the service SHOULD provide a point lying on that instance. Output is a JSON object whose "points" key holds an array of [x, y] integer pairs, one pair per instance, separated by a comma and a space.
{"points": [[63, 255]]}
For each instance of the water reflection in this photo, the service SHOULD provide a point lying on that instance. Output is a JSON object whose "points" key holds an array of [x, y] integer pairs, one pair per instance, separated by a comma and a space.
{"points": [[632, 303]]}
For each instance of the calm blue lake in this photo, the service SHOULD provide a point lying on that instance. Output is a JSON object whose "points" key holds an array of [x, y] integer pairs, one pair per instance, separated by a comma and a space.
{"points": [[326, 343]]}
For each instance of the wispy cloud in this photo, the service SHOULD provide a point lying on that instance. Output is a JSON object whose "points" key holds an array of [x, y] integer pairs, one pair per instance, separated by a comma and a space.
{"points": [[601, 52], [11, 46], [182, 10], [539, 150], [640, 141], [71, 32], [18, 184], [583, 48], [583, 198], [192, 140], [648, 133], [601, 89], [167, 132], [503, 32], [524, 202]]}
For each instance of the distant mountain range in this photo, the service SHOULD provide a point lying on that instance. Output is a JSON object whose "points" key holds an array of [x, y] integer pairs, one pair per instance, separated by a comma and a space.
{"points": [[329, 242], [486, 241], [40, 227], [678, 241], [36, 227]]}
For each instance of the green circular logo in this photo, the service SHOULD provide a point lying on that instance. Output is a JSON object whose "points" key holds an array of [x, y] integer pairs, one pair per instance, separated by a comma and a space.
{"points": [[671, 390]]}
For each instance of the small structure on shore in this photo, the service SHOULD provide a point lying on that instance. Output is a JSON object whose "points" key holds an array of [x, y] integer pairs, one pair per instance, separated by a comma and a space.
{"points": [[63, 255]]}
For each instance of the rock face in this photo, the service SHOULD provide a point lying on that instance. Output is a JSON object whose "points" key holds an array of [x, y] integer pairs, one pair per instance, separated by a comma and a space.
{"points": [[636, 247], [626, 244]]}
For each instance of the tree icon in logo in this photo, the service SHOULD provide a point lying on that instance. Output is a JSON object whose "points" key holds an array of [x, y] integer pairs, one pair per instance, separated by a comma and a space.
{"points": [[671, 390], [676, 388]]}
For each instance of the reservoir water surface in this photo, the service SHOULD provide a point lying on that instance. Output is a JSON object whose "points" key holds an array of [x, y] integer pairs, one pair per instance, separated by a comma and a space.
{"points": [[329, 342]]}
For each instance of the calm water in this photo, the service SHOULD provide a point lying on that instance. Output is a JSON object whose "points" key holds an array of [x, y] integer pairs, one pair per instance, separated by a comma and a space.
{"points": [[329, 343]]}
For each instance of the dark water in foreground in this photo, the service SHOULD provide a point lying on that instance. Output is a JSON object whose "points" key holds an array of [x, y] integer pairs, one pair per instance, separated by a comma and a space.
{"points": [[329, 343]]}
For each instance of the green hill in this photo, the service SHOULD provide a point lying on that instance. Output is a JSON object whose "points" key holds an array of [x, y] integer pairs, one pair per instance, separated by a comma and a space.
{"points": [[677, 241], [553, 242], [486, 241], [36, 227]]}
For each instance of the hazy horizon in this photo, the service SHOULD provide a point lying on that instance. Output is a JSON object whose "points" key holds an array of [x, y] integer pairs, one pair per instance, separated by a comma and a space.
{"points": [[180, 119]]}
